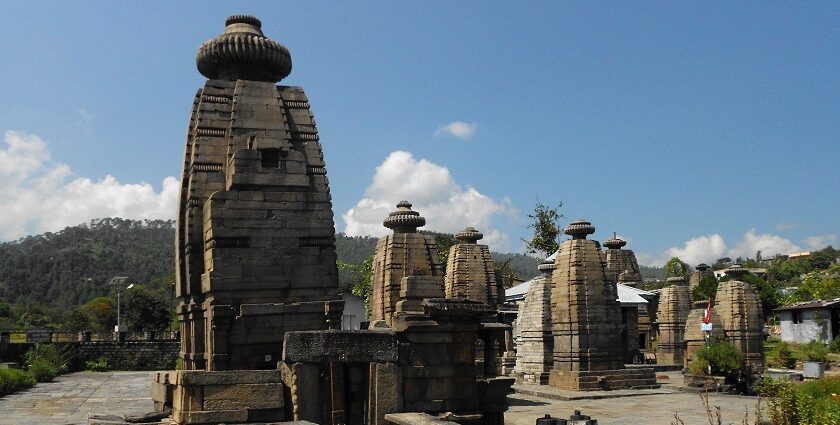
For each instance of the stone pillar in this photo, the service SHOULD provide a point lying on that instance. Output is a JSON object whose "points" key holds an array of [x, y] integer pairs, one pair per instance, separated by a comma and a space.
{"points": [[469, 270], [674, 305], [740, 311]]}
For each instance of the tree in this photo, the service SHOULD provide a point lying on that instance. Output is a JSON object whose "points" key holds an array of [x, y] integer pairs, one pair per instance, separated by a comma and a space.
{"points": [[676, 268], [101, 313], [818, 285], [76, 320], [706, 289], [359, 282], [546, 230], [504, 273], [722, 263], [145, 309], [767, 293]]}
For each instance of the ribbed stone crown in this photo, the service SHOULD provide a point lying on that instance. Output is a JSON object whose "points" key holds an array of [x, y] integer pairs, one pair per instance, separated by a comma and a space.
{"points": [[579, 229], [242, 52], [675, 280], [736, 271], [615, 242], [547, 266], [404, 220], [702, 267], [469, 235]]}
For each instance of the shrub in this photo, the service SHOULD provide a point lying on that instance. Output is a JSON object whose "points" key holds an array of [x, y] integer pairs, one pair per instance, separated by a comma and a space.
{"points": [[815, 351], [98, 365], [807, 404], [698, 366], [724, 358], [784, 356], [46, 361], [834, 347], [42, 370], [12, 380]]}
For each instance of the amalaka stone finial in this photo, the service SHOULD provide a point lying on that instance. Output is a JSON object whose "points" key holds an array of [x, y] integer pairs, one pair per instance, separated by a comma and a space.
{"points": [[736, 271], [242, 52], [615, 242], [404, 220], [702, 267], [675, 280], [546, 266], [579, 229], [469, 235]]}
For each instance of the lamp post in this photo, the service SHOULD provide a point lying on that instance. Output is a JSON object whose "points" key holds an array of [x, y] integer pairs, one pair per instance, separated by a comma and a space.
{"points": [[119, 282]]}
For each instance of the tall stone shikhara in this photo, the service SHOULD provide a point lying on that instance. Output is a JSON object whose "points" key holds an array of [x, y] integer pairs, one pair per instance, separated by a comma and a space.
{"points": [[534, 357], [739, 308], [621, 263], [586, 317], [255, 253], [672, 313], [469, 270], [406, 267], [701, 271]]}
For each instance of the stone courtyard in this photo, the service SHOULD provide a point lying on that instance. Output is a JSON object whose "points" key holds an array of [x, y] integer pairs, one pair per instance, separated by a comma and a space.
{"points": [[71, 398]]}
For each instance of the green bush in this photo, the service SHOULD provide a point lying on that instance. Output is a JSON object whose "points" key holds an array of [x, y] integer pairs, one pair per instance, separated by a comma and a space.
{"points": [[12, 380], [815, 351], [784, 356], [807, 404], [42, 370], [834, 347], [724, 358], [46, 361], [98, 365], [698, 366]]}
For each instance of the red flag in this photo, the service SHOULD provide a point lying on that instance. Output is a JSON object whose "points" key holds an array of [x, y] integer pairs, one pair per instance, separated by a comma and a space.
{"points": [[707, 317]]}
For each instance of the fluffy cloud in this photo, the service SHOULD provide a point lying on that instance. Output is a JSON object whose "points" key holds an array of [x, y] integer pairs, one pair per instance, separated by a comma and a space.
{"points": [[459, 129], [707, 249], [43, 196], [431, 189], [819, 242]]}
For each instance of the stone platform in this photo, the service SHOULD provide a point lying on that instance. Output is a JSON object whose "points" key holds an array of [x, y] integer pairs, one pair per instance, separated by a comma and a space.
{"points": [[545, 391], [604, 380]]}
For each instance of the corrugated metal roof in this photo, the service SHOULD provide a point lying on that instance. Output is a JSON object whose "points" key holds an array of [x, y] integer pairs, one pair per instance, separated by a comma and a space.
{"points": [[810, 304]]}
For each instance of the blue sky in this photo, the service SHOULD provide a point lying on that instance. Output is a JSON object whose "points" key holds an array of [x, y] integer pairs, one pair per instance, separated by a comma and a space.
{"points": [[694, 129]]}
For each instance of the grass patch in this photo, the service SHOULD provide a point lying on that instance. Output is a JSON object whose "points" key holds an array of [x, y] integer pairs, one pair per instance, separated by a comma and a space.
{"points": [[12, 380]]}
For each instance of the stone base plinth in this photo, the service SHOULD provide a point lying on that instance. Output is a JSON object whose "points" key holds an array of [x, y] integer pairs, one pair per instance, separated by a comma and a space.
{"points": [[618, 379], [233, 396], [538, 378]]}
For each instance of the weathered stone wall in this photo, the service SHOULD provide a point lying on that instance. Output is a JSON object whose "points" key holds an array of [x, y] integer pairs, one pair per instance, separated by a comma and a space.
{"points": [[133, 355]]}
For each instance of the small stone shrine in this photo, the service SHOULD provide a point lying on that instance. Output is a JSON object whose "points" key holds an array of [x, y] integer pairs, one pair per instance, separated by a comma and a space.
{"points": [[535, 346], [621, 263], [406, 267], [674, 305], [469, 270], [695, 337], [700, 271], [740, 311], [586, 317]]}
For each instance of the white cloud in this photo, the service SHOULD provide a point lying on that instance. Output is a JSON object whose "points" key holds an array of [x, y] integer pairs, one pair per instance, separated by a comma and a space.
{"points": [[707, 249], [702, 249], [434, 193], [818, 242], [42, 196], [459, 129], [768, 244]]}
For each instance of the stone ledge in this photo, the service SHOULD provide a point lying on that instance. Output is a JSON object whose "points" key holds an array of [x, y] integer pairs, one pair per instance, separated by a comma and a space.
{"points": [[343, 346], [545, 391]]}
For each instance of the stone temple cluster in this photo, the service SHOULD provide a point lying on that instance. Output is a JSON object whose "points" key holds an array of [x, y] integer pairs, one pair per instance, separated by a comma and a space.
{"points": [[260, 310]]}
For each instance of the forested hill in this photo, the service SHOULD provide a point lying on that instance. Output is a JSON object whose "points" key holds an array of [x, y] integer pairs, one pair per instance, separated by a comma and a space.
{"points": [[74, 265]]}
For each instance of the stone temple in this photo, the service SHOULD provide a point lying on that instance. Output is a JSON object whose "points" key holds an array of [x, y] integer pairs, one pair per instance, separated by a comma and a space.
{"points": [[257, 278], [255, 253], [695, 337], [674, 305], [588, 354], [535, 344], [469, 270], [406, 267], [740, 311], [700, 271], [622, 266]]}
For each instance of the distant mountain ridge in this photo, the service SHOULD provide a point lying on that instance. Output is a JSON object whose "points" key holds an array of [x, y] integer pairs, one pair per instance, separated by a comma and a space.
{"points": [[73, 265]]}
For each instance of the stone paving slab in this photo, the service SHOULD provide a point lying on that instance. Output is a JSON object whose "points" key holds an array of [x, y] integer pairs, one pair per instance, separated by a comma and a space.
{"points": [[71, 398], [546, 391]]}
